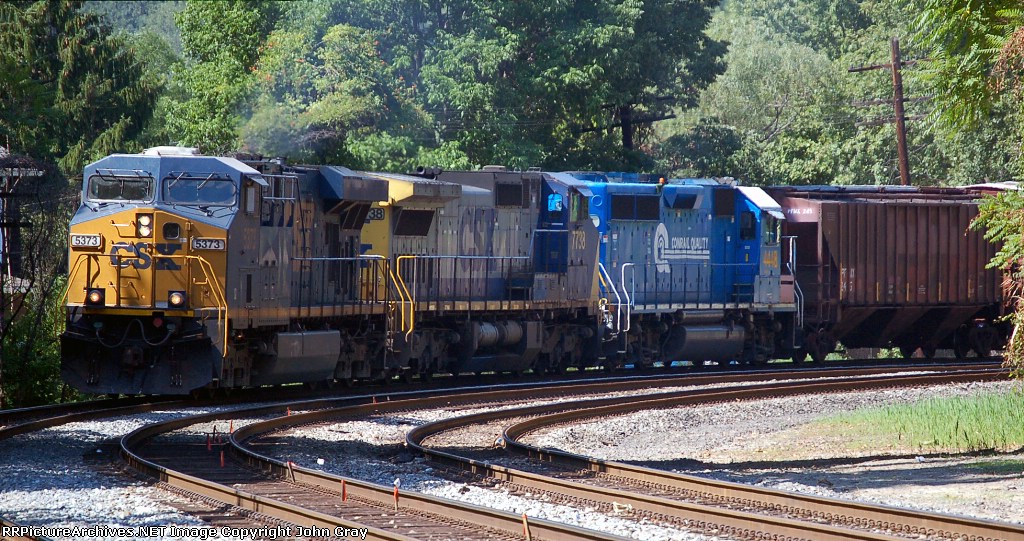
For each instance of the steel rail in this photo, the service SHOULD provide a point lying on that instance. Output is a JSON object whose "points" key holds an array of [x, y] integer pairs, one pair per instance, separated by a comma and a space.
{"points": [[54, 415], [238, 498], [274, 508], [468, 513], [917, 523], [737, 521]]}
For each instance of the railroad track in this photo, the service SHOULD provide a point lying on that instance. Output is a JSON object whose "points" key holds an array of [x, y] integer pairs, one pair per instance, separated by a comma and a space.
{"points": [[15, 422], [699, 504]]}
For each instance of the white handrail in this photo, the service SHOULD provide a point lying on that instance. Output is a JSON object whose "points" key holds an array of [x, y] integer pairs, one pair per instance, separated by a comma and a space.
{"points": [[605, 277], [625, 291]]}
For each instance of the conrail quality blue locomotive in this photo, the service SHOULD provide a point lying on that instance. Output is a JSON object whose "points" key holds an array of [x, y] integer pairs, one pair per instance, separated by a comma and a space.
{"points": [[192, 272]]}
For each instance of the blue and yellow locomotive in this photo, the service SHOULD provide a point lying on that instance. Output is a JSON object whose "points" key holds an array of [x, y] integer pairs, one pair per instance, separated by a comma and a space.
{"points": [[190, 272]]}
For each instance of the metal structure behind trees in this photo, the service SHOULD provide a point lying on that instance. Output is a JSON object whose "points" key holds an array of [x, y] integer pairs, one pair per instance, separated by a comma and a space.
{"points": [[12, 172]]}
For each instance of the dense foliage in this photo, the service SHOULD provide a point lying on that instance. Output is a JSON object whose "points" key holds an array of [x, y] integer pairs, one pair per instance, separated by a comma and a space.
{"points": [[393, 84], [759, 90], [69, 90]]}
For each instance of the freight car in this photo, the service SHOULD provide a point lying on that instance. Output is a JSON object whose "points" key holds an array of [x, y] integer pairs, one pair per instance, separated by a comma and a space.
{"points": [[892, 267]]}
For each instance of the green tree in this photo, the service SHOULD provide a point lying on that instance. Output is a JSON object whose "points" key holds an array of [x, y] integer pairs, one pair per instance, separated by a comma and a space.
{"points": [[832, 27], [704, 151], [221, 41], [141, 17], [73, 92], [517, 82], [32, 282]]}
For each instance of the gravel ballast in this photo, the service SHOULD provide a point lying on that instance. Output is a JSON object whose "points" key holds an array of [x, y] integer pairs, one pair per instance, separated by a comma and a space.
{"points": [[762, 443], [753, 442]]}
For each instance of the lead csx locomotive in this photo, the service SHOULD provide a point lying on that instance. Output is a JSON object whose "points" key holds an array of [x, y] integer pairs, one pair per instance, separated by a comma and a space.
{"points": [[189, 272]]}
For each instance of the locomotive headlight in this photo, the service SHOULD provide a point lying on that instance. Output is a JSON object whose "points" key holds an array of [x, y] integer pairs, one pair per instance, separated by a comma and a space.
{"points": [[176, 299], [94, 296], [144, 225]]}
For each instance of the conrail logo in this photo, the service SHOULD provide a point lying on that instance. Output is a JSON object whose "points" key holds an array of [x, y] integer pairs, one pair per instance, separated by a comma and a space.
{"points": [[125, 254], [668, 249]]}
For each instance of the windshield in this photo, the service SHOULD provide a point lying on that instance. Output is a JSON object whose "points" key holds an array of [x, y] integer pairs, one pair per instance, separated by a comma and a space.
{"points": [[116, 186], [189, 189]]}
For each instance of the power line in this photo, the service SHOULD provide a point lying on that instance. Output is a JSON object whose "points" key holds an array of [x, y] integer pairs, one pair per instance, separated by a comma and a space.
{"points": [[898, 100]]}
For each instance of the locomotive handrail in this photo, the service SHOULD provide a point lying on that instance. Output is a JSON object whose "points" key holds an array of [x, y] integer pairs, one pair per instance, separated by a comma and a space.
{"points": [[412, 294], [625, 291], [73, 273], [609, 284], [218, 296], [359, 258], [404, 292], [798, 293], [208, 272]]}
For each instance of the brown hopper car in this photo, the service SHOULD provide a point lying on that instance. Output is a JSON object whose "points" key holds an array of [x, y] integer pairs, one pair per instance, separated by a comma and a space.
{"points": [[892, 267]]}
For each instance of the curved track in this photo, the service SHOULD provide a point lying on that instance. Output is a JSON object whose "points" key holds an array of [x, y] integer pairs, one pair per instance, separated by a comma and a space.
{"points": [[328, 489], [741, 511]]}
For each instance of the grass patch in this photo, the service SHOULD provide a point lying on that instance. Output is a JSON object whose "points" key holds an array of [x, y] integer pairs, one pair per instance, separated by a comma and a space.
{"points": [[997, 467], [979, 422]]}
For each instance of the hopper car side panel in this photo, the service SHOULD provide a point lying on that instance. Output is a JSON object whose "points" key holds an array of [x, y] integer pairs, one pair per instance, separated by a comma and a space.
{"points": [[883, 269]]}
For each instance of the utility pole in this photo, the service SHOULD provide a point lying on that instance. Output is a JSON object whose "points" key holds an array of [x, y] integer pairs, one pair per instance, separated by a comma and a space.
{"points": [[897, 105]]}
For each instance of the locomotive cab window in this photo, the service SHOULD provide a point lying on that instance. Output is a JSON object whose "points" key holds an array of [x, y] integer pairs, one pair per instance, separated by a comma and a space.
{"points": [[120, 187], [748, 226], [579, 208], [555, 207], [770, 235], [204, 190], [251, 196]]}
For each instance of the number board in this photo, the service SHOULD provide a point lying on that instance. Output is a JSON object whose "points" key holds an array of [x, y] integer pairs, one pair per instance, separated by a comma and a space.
{"points": [[86, 241], [200, 243]]}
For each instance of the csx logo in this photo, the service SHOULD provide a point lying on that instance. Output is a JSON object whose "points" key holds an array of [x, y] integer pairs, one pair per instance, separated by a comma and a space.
{"points": [[125, 254]]}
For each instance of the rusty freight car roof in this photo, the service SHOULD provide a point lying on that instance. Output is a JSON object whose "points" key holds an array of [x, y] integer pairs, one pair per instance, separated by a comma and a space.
{"points": [[853, 193]]}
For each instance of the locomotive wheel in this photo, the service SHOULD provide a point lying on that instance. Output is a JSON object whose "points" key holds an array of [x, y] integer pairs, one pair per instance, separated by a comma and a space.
{"points": [[928, 352], [799, 355], [907, 351], [818, 345]]}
